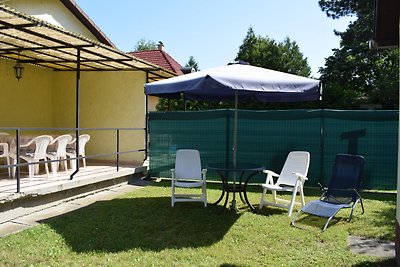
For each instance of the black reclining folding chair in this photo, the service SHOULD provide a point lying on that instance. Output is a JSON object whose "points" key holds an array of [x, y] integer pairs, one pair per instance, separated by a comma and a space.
{"points": [[343, 190]]}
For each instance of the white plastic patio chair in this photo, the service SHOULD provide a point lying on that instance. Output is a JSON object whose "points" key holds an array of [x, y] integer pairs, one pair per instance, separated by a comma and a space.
{"points": [[60, 152], [188, 174], [291, 179], [4, 153], [41, 144], [71, 152]]}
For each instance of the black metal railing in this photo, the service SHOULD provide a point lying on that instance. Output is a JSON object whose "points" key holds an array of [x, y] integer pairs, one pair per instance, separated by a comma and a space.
{"points": [[17, 133]]}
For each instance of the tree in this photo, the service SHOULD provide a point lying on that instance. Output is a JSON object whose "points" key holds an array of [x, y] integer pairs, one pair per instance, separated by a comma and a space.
{"points": [[192, 63], [355, 76], [181, 104], [266, 53], [283, 56], [262, 52], [145, 45]]}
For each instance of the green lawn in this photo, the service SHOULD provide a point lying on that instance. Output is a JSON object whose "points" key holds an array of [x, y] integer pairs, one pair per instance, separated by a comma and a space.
{"points": [[141, 229]]}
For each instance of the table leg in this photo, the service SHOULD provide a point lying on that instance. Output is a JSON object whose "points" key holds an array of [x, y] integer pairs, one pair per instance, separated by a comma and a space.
{"points": [[220, 198], [224, 186], [245, 191], [240, 185]]}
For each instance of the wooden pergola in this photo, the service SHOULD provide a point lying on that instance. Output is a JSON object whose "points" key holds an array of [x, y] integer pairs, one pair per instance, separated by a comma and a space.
{"points": [[29, 40]]}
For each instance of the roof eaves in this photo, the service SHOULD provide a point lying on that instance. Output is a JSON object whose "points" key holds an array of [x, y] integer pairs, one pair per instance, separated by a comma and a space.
{"points": [[49, 37], [175, 66], [89, 24]]}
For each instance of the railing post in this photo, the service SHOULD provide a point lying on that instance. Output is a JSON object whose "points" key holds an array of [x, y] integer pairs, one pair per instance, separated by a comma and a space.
{"points": [[17, 140], [117, 149]]}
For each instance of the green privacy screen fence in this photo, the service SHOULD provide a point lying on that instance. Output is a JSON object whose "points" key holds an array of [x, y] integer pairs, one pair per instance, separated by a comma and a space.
{"points": [[266, 137]]}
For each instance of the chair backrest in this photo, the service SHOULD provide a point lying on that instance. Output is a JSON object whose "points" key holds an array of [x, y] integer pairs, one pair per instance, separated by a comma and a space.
{"points": [[41, 144], [62, 142], [296, 161], [188, 164], [347, 176], [83, 139]]}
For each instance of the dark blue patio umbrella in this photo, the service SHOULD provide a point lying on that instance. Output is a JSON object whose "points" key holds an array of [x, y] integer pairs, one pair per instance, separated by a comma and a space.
{"points": [[238, 83]]}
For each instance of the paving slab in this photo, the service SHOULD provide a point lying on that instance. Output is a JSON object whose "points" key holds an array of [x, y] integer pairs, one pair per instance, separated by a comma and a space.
{"points": [[21, 218], [372, 247]]}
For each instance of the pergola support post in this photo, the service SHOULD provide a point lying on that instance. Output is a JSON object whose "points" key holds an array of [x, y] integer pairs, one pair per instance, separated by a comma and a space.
{"points": [[77, 105]]}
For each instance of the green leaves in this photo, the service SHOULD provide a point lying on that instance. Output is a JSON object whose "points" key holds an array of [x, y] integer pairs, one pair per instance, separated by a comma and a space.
{"points": [[265, 52], [355, 76]]}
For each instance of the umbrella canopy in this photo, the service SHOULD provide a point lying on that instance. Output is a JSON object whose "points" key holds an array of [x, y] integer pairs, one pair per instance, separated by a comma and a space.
{"points": [[249, 82], [239, 83]]}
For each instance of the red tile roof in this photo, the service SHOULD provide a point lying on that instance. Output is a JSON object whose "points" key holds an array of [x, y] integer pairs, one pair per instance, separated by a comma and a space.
{"points": [[160, 58]]}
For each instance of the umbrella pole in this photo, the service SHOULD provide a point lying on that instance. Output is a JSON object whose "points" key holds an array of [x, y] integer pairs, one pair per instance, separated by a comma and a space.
{"points": [[235, 126]]}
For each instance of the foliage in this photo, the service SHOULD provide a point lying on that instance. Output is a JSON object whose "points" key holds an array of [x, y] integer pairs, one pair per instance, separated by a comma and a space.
{"points": [[181, 104], [266, 53], [262, 52], [141, 229], [355, 75], [145, 45], [192, 63]]}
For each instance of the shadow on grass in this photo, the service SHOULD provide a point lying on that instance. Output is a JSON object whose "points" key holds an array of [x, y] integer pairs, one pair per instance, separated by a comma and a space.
{"points": [[147, 223], [384, 262]]}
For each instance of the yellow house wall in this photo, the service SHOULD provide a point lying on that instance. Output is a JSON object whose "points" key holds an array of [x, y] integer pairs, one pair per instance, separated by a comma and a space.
{"points": [[45, 98], [27, 102], [153, 101], [56, 10], [107, 100]]}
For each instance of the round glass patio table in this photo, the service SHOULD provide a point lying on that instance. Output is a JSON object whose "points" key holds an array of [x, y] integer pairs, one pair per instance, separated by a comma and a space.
{"points": [[242, 173]]}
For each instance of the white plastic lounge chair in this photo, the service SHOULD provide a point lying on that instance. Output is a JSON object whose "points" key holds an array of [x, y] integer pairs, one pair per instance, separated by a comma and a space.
{"points": [[4, 153], [71, 152], [188, 174], [60, 153], [41, 144], [291, 179], [343, 190]]}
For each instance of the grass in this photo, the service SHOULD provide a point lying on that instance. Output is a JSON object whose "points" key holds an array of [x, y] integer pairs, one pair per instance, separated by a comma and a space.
{"points": [[141, 229]]}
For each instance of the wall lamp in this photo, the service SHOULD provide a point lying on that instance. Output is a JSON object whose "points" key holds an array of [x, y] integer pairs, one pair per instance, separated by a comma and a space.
{"points": [[18, 69]]}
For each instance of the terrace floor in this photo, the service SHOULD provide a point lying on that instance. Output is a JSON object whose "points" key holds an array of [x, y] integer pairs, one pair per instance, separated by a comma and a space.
{"points": [[42, 185]]}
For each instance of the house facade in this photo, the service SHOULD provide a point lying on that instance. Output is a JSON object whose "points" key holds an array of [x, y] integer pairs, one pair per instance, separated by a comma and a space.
{"points": [[161, 58], [73, 75]]}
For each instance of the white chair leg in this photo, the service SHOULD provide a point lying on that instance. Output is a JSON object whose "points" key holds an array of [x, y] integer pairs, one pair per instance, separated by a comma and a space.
{"points": [[73, 164], [274, 196], [13, 168], [53, 168], [9, 168], [302, 195], [292, 200], [36, 168], [65, 164], [46, 166], [262, 198], [31, 169]]}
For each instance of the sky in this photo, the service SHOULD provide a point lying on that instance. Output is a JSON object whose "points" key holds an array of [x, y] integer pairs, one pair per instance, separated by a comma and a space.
{"points": [[212, 30]]}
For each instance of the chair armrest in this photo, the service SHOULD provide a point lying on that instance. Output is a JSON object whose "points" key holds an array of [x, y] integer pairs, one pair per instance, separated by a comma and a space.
{"points": [[27, 144], [203, 174], [270, 175], [301, 177]]}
